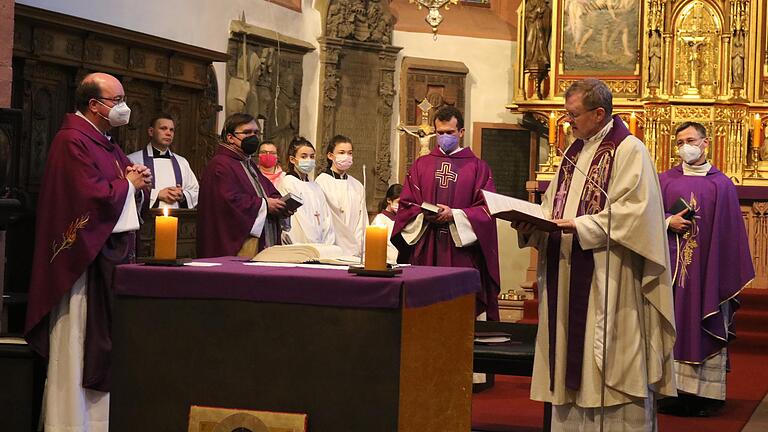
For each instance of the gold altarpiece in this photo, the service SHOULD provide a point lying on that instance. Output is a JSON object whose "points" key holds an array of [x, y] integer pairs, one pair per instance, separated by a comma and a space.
{"points": [[667, 62]]}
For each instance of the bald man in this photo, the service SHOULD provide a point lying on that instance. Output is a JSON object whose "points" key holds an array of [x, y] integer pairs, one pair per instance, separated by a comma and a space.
{"points": [[86, 221]]}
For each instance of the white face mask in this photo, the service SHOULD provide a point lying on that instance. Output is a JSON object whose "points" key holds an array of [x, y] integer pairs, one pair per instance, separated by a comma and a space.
{"points": [[119, 115], [306, 165], [689, 153]]}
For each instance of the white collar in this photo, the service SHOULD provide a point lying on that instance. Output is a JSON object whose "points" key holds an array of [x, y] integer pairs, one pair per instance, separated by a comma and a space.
{"points": [[598, 137], [458, 149], [78, 113], [151, 150], [696, 170]]}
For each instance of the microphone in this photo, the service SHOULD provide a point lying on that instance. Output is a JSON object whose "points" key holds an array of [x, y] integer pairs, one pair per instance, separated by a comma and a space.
{"points": [[605, 294]]}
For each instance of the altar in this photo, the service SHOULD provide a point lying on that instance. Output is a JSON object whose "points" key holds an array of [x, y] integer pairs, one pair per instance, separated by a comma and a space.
{"points": [[354, 353]]}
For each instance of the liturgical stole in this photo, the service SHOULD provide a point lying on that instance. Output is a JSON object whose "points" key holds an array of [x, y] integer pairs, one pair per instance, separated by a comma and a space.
{"points": [[592, 201]]}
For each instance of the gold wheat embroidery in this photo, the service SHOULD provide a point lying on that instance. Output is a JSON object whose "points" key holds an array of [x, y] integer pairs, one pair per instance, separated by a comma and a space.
{"points": [[690, 243], [70, 235]]}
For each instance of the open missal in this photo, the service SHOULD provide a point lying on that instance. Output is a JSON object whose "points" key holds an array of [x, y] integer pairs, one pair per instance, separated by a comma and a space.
{"points": [[517, 210], [305, 253]]}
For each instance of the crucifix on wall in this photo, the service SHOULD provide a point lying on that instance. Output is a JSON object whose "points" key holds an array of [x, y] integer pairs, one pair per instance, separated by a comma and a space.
{"points": [[424, 131]]}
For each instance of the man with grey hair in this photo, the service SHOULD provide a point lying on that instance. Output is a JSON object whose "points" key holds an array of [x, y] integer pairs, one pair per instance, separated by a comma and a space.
{"points": [[640, 331]]}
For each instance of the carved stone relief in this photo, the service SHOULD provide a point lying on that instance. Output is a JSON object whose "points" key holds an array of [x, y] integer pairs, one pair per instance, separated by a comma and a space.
{"points": [[264, 79], [357, 82]]}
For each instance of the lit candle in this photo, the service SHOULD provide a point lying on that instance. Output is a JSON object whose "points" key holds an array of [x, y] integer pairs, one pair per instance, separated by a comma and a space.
{"points": [[633, 123], [552, 128], [376, 247], [165, 236], [758, 131]]}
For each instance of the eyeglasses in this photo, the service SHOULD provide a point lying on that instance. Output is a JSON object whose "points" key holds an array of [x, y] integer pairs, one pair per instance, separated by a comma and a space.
{"points": [[575, 116], [690, 141], [267, 152], [247, 132], [116, 99]]}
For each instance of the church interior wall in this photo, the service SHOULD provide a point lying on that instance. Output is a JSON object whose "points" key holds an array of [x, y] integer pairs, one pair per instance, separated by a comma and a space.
{"points": [[489, 88], [206, 24], [489, 85]]}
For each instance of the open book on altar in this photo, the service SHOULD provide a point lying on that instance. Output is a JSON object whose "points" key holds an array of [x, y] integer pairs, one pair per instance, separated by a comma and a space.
{"points": [[517, 210], [306, 253]]}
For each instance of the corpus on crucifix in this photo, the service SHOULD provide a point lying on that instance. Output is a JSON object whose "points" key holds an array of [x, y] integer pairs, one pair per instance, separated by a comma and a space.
{"points": [[424, 131]]}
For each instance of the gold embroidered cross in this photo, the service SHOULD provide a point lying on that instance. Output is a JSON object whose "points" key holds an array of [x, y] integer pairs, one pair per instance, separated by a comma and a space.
{"points": [[445, 175]]}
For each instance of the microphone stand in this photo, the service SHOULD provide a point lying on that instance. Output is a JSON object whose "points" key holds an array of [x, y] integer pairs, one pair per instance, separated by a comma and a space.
{"points": [[605, 294]]}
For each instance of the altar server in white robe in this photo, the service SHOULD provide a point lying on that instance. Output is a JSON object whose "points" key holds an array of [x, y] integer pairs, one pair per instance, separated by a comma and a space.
{"points": [[312, 222], [175, 184], [345, 196], [640, 331]]}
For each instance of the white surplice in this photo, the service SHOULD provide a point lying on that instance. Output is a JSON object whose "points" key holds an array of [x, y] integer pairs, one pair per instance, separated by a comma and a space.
{"points": [[165, 177], [312, 222], [346, 200]]}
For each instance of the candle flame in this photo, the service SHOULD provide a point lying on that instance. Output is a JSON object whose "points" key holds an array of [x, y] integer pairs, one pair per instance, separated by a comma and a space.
{"points": [[551, 114], [165, 211], [633, 114]]}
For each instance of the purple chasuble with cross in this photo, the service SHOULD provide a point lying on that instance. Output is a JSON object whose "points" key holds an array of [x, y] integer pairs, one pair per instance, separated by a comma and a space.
{"points": [[454, 180], [228, 205], [81, 198], [711, 263], [592, 201]]}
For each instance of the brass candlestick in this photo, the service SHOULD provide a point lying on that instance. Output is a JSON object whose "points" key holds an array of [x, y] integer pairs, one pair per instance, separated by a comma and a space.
{"points": [[755, 158]]}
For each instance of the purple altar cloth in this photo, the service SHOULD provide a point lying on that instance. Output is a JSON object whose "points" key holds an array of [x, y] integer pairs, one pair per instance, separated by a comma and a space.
{"points": [[422, 286]]}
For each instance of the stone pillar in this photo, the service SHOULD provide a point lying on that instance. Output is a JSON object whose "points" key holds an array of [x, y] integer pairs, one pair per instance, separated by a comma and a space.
{"points": [[6, 51]]}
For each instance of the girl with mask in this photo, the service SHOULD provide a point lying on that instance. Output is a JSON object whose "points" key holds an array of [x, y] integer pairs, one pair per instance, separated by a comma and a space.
{"points": [[269, 164], [312, 221], [387, 210], [345, 196]]}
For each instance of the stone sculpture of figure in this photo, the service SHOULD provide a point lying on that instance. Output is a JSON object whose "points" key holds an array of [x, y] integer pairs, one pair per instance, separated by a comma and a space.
{"points": [[347, 24], [379, 23], [538, 29], [737, 60], [654, 57], [334, 19]]}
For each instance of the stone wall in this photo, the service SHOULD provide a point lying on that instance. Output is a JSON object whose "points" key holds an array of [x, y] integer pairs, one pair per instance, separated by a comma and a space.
{"points": [[6, 51]]}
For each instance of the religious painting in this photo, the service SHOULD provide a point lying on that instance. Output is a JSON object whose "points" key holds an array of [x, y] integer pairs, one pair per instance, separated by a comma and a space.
{"points": [[600, 36], [210, 419]]}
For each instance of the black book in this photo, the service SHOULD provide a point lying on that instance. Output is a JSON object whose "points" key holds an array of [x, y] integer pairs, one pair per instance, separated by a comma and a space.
{"points": [[681, 205], [292, 202]]}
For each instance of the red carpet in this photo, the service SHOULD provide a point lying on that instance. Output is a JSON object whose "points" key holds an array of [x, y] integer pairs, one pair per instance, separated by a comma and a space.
{"points": [[507, 408]]}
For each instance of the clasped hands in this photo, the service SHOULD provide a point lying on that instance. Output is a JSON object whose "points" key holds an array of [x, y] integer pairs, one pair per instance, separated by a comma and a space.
{"points": [[171, 194], [139, 175], [443, 216]]}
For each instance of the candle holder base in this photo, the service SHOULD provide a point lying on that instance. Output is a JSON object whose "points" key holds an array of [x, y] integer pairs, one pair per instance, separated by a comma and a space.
{"points": [[361, 271], [165, 262]]}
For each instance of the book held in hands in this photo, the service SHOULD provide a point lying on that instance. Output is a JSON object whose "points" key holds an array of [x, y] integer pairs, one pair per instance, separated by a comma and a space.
{"points": [[517, 210]]}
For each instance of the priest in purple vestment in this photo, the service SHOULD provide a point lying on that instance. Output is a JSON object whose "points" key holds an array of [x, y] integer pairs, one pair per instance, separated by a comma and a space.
{"points": [[711, 264], [462, 233], [87, 216], [239, 210]]}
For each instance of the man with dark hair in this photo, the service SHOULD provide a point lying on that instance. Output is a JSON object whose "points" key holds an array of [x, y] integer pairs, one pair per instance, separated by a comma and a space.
{"points": [[711, 265], [86, 221], [240, 210], [640, 331], [462, 233], [174, 183]]}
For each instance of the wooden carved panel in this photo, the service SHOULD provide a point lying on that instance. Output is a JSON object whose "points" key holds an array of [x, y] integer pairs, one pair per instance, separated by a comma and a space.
{"points": [[756, 221], [441, 82]]}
